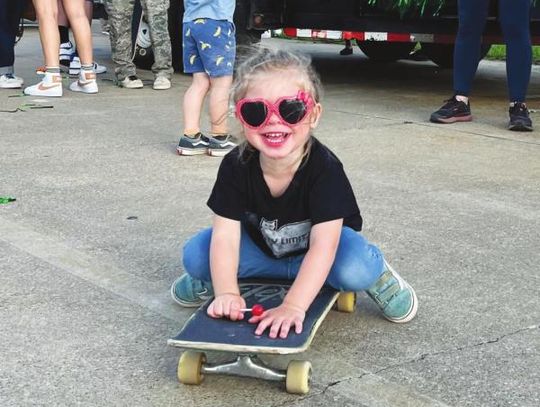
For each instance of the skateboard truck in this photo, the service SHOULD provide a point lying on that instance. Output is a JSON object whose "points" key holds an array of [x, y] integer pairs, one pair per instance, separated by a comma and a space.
{"points": [[192, 367]]}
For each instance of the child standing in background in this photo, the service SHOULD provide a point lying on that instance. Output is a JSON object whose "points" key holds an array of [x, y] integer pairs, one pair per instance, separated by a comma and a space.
{"points": [[284, 209], [209, 50]]}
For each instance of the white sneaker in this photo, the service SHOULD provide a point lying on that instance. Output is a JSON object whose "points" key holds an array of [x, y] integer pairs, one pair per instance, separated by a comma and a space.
{"points": [[86, 82], [161, 83], [75, 66], [10, 81], [131, 82], [50, 86], [99, 68]]}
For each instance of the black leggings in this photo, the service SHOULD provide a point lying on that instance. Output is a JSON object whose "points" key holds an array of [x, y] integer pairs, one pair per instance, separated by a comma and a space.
{"points": [[514, 18], [10, 14]]}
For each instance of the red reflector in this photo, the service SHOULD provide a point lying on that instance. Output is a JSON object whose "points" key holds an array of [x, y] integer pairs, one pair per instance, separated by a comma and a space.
{"points": [[289, 32], [399, 37]]}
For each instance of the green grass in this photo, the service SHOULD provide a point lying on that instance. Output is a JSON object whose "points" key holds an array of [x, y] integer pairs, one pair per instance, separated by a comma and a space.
{"points": [[498, 52]]}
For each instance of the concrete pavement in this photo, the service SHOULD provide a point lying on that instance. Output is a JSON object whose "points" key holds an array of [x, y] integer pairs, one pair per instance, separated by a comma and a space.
{"points": [[91, 245]]}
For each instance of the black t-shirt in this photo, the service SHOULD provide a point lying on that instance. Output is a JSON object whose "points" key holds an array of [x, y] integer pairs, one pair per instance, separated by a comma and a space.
{"points": [[319, 192]]}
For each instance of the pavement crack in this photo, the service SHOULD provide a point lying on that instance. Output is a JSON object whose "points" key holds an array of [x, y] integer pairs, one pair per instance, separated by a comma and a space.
{"points": [[425, 356]]}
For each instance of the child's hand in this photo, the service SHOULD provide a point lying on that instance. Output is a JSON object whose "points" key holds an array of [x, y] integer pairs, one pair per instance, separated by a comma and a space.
{"points": [[280, 320], [227, 305]]}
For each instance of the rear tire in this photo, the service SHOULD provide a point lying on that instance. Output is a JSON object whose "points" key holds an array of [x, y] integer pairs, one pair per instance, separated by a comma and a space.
{"points": [[381, 51], [443, 54]]}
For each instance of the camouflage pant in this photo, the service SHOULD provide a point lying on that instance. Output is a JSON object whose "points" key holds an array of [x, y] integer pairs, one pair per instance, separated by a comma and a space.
{"points": [[120, 14]]}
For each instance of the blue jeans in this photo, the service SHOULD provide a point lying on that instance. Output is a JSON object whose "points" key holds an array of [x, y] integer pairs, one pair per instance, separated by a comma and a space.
{"points": [[358, 264], [514, 16], [10, 14]]}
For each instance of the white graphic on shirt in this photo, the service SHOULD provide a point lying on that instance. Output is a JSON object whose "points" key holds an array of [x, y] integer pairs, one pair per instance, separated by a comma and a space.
{"points": [[287, 239]]}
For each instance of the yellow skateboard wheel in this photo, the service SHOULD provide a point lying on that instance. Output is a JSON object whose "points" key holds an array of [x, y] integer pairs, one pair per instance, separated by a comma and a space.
{"points": [[190, 366], [346, 301], [298, 377]]}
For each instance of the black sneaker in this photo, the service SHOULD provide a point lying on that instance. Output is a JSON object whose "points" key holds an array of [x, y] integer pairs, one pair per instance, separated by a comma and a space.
{"points": [[346, 51], [218, 146], [452, 111], [194, 145], [519, 118]]}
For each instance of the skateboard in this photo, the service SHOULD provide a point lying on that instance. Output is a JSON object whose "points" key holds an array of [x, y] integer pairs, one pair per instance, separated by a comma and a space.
{"points": [[202, 333]]}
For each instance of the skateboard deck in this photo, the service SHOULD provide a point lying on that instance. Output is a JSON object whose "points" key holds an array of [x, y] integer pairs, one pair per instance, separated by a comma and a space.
{"points": [[205, 333], [202, 333]]}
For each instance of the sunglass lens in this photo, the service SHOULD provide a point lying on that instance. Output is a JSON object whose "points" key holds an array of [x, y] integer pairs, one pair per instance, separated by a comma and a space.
{"points": [[254, 113], [292, 110]]}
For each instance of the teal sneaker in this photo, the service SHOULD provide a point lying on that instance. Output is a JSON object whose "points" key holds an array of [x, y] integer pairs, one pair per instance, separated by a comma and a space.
{"points": [[396, 299], [190, 292]]}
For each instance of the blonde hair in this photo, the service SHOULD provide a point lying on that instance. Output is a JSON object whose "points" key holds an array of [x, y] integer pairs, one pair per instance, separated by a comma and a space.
{"points": [[262, 60]]}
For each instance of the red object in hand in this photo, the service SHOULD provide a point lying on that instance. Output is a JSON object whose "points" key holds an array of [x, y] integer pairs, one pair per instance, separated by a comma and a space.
{"points": [[257, 310]]}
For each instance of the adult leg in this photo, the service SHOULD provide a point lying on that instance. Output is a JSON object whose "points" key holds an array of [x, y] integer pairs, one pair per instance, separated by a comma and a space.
{"points": [[515, 17], [472, 20], [156, 12], [47, 13], [120, 15], [51, 84], [75, 11], [10, 14]]}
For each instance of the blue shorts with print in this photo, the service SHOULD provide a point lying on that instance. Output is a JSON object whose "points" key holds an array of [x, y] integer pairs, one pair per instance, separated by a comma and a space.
{"points": [[209, 46]]}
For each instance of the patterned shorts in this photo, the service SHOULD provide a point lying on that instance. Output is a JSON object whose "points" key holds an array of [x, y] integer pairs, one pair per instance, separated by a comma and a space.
{"points": [[209, 46]]}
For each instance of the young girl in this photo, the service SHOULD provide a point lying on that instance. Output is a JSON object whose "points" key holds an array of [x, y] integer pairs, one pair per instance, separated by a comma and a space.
{"points": [[51, 84], [284, 209]]}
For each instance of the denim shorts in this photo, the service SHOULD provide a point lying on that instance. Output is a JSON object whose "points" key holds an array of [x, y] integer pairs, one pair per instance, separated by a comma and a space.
{"points": [[209, 46]]}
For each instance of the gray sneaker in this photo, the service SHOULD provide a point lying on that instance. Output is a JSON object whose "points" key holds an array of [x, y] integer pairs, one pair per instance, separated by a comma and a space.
{"points": [[218, 146], [197, 144], [131, 82], [190, 292], [396, 299]]}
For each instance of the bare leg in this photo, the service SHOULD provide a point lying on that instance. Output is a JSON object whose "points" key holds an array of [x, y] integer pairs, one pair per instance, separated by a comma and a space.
{"points": [[81, 29], [218, 103], [193, 102], [62, 18], [89, 10], [47, 13]]}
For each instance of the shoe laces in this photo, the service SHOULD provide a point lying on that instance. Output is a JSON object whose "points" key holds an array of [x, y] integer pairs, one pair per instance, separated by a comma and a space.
{"points": [[9, 76], [133, 77], [519, 108]]}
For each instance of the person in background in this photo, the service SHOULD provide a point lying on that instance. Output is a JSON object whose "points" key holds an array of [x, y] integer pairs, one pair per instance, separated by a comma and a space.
{"points": [[10, 15], [51, 83], [68, 53], [514, 18], [209, 53], [120, 14], [348, 50]]}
